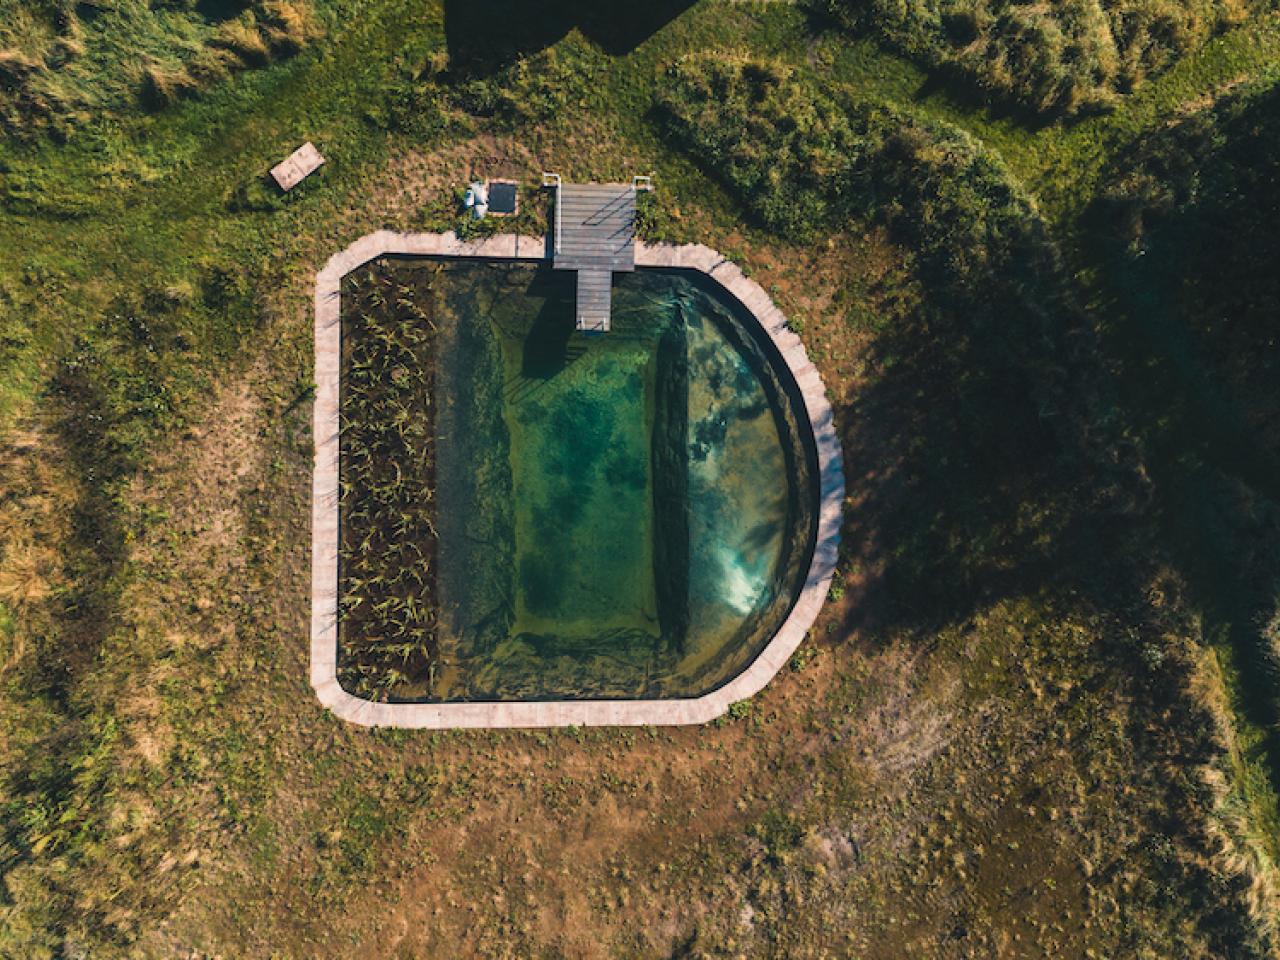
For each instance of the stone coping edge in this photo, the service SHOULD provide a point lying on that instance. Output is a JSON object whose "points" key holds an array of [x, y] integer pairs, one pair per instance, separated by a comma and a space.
{"points": [[509, 714]]}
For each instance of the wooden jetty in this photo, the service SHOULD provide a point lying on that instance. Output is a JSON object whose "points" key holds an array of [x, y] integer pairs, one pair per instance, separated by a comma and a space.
{"points": [[594, 233]]}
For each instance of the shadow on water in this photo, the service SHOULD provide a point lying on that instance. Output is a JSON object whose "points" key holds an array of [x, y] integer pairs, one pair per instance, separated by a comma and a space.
{"points": [[547, 349], [549, 346], [483, 36]]}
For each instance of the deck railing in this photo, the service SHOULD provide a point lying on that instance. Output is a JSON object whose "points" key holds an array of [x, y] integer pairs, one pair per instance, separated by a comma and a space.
{"points": [[553, 180]]}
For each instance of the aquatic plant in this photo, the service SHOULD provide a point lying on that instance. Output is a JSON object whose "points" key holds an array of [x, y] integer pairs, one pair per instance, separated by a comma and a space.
{"points": [[387, 490]]}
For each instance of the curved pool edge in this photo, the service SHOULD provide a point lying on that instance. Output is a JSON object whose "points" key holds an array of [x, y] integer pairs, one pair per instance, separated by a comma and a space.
{"points": [[553, 713]]}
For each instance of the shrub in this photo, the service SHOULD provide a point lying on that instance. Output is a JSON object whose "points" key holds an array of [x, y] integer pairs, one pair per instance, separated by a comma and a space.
{"points": [[416, 103], [288, 26], [57, 70], [165, 84], [533, 89], [242, 39], [1064, 58], [986, 374], [805, 160]]}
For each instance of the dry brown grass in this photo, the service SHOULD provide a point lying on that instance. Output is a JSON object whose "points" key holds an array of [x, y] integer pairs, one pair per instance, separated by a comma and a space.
{"points": [[17, 65], [165, 84], [56, 69], [26, 569], [243, 38], [32, 528], [289, 25]]}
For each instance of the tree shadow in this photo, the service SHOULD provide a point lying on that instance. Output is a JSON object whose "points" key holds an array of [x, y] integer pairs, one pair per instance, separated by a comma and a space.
{"points": [[976, 450], [1186, 246], [961, 487], [218, 11], [960, 91], [483, 36], [983, 460]]}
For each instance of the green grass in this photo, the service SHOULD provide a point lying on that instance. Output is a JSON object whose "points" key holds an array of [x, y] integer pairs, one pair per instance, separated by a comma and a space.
{"points": [[149, 199], [1253, 795], [147, 265], [1062, 163], [65, 65], [1073, 58]]}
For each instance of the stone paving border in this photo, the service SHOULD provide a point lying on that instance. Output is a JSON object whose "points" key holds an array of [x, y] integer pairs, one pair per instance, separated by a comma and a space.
{"points": [[324, 509]]}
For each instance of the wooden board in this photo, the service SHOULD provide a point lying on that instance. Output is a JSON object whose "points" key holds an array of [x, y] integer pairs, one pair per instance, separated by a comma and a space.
{"points": [[595, 234], [596, 226], [296, 167]]}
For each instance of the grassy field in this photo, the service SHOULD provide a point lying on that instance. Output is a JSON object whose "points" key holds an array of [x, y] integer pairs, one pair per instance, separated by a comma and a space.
{"points": [[1072, 59], [1037, 717]]}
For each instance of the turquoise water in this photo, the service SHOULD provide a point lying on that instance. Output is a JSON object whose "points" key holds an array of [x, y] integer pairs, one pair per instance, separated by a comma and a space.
{"points": [[619, 515]]}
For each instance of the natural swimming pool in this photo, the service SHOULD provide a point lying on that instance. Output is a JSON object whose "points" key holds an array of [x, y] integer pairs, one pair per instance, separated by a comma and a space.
{"points": [[620, 516]]}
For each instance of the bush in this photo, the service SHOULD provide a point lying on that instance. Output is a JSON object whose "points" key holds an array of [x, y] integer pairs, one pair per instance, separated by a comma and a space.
{"points": [[1064, 58], [57, 70], [165, 84], [987, 375], [805, 160], [533, 89]]}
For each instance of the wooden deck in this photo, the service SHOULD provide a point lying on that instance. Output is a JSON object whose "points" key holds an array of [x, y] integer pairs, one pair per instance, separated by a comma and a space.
{"points": [[594, 232]]}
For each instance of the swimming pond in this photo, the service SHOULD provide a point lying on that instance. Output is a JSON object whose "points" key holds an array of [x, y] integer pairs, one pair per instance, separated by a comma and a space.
{"points": [[610, 517]]}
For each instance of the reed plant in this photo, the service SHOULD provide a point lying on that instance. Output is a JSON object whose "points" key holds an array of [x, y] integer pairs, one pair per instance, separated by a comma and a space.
{"points": [[387, 632]]}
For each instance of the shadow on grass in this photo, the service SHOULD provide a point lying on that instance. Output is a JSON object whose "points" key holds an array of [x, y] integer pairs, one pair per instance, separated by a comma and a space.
{"points": [[984, 447], [987, 462], [1187, 254], [218, 11], [51, 772], [966, 491], [483, 36], [960, 91]]}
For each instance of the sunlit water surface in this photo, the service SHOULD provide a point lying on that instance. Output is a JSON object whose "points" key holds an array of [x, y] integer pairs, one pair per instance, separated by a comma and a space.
{"points": [[626, 515]]}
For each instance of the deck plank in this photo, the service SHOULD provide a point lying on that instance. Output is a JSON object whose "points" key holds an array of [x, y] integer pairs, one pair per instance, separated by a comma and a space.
{"points": [[594, 233]]}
